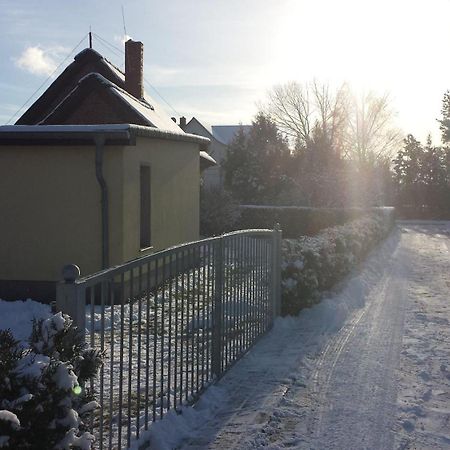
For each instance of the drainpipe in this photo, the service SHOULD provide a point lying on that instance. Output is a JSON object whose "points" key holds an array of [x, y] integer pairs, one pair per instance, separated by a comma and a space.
{"points": [[99, 146]]}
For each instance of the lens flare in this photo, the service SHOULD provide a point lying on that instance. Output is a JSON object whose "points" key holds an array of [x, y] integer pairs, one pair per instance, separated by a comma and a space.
{"points": [[77, 390]]}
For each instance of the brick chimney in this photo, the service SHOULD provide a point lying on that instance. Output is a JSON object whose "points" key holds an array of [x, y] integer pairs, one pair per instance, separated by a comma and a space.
{"points": [[182, 122], [134, 68]]}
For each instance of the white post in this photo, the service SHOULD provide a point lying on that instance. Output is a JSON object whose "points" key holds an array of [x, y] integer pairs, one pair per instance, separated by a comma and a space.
{"points": [[70, 296], [276, 271]]}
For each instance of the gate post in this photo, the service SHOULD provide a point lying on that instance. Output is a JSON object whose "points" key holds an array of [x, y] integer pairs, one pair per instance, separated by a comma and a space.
{"points": [[276, 270], [216, 353], [70, 297]]}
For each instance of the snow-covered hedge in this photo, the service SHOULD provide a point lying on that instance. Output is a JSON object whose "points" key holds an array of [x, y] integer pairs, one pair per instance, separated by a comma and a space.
{"points": [[314, 264], [44, 400], [297, 221]]}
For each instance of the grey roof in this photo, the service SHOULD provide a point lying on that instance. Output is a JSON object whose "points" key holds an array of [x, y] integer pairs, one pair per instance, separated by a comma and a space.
{"points": [[222, 133], [226, 133]]}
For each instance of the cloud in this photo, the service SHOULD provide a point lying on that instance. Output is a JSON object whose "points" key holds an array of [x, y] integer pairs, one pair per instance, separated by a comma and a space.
{"points": [[39, 61]]}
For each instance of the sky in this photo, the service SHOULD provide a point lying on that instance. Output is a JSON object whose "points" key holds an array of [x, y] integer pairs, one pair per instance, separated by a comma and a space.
{"points": [[217, 59]]}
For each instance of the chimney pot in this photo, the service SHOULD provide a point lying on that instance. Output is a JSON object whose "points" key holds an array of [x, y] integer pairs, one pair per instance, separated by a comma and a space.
{"points": [[134, 68], [182, 122]]}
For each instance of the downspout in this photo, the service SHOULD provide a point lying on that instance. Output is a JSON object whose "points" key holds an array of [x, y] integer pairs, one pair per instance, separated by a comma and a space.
{"points": [[99, 146]]}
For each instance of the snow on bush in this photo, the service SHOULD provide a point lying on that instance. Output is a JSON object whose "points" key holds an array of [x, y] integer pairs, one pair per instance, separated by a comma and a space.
{"points": [[314, 264], [44, 400]]}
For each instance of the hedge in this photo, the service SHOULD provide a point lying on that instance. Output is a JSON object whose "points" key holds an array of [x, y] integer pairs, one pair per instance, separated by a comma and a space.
{"points": [[297, 221], [312, 265]]}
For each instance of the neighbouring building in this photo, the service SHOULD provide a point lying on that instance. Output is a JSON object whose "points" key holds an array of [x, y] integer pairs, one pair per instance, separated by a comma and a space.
{"points": [[220, 137], [93, 173]]}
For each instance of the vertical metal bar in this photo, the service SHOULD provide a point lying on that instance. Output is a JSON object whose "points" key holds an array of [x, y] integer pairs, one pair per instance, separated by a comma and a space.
{"points": [[234, 295], [183, 303], [218, 294], [260, 285], [169, 362], [102, 368], [111, 371], [276, 271], [208, 311], [229, 304], [163, 334], [252, 320], [130, 357], [147, 346], [155, 340], [188, 327], [210, 306], [247, 291], [225, 304], [122, 320], [267, 286], [231, 300], [197, 266], [240, 289], [188, 330], [92, 301], [92, 339], [254, 288], [212, 253], [175, 371], [139, 343], [204, 311]]}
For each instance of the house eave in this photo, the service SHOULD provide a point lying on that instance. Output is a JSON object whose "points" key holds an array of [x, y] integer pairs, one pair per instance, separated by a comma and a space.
{"points": [[114, 134]]}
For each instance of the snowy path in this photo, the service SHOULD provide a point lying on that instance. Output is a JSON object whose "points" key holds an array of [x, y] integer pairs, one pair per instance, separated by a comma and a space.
{"points": [[368, 368]]}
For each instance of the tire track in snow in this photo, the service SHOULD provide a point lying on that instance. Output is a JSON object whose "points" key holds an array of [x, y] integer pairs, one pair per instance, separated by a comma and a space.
{"points": [[357, 387], [281, 406]]}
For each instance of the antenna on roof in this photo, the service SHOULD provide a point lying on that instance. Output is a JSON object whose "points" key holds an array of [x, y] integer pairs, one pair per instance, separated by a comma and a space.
{"points": [[124, 26], [90, 37]]}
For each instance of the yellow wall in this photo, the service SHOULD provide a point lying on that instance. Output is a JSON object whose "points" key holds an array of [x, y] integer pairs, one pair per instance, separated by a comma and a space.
{"points": [[50, 204], [175, 174]]}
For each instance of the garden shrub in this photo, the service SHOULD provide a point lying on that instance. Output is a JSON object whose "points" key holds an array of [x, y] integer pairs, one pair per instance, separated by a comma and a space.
{"points": [[218, 211], [44, 400], [297, 221], [314, 264]]}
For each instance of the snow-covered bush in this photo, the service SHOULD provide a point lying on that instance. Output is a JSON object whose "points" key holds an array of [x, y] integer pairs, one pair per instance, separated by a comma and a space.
{"points": [[44, 400], [314, 264]]}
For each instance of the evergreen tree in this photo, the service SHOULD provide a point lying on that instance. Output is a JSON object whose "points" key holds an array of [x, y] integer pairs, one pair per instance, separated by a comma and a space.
{"points": [[445, 121], [256, 164], [421, 175], [44, 400]]}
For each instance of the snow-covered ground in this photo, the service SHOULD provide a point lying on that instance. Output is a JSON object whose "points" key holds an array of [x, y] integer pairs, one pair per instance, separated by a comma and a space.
{"points": [[368, 368], [18, 316]]}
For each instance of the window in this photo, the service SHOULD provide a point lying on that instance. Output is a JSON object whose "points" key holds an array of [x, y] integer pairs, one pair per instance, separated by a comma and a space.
{"points": [[145, 207]]}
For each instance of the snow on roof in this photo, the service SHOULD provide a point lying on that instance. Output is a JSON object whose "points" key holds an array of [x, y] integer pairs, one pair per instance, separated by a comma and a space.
{"points": [[222, 133], [150, 110], [64, 128], [114, 69], [151, 113], [210, 160]]}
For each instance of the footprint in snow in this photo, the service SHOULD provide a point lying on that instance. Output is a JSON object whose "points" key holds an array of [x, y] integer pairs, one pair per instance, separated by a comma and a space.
{"points": [[427, 395], [408, 426], [424, 375]]}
